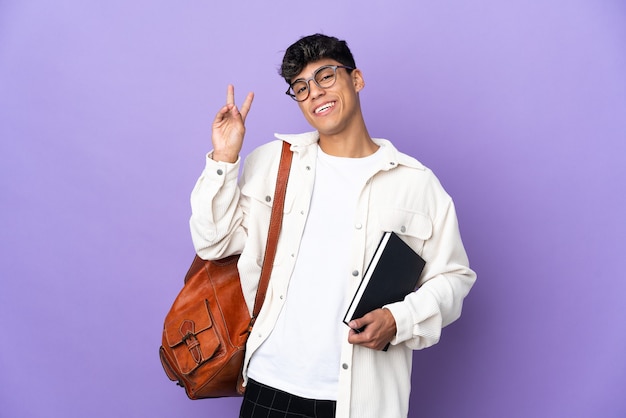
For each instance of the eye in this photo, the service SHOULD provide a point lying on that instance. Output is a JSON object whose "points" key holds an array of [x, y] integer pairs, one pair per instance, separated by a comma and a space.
{"points": [[299, 87], [325, 76]]}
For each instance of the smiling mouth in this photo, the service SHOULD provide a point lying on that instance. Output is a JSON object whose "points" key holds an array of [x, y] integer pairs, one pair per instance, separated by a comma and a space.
{"points": [[324, 107]]}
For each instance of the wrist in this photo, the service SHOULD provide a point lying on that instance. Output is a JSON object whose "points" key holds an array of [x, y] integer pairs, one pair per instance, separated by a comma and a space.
{"points": [[222, 157]]}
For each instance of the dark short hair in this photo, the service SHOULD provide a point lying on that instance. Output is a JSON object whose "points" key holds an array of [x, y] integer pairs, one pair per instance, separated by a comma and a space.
{"points": [[314, 48]]}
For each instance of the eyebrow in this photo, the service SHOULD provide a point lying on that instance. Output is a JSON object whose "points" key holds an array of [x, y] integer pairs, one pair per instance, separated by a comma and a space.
{"points": [[316, 70]]}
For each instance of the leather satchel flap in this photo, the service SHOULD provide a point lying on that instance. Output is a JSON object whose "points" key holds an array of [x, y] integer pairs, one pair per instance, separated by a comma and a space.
{"points": [[193, 341]]}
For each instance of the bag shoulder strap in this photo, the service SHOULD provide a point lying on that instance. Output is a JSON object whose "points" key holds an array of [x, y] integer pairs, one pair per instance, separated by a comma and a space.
{"points": [[276, 221]]}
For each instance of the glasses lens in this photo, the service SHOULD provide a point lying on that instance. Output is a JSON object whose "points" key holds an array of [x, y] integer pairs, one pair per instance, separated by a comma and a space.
{"points": [[325, 77], [300, 90]]}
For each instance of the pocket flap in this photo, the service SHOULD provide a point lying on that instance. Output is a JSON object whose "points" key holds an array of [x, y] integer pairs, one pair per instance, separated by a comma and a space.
{"points": [[405, 222], [262, 190], [192, 337], [194, 320]]}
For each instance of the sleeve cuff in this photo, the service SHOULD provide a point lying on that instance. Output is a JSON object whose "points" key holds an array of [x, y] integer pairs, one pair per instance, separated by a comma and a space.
{"points": [[404, 322], [221, 170]]}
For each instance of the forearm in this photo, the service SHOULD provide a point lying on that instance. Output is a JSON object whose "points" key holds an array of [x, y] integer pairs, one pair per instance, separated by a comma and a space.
{"points": [[216, 217], [446, 280], [422, 315]]}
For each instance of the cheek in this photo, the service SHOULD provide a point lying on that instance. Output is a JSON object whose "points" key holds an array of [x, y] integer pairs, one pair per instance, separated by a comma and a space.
{"points": [[304, 112], [309, 118]]}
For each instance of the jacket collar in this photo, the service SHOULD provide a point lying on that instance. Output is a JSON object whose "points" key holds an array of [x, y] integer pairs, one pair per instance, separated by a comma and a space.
{"points": [[393, 157]]}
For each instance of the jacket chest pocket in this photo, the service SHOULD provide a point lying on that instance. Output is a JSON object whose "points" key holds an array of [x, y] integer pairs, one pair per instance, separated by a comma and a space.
{"points": [[414, 227], [259, 196], [260, 192]]}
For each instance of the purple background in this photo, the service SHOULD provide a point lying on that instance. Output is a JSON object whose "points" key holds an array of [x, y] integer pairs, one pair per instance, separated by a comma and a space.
{"points": [[105, 113]]}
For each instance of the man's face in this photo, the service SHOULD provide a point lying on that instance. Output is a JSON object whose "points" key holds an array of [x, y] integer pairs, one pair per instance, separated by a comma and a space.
{"points": [[333, 110]]}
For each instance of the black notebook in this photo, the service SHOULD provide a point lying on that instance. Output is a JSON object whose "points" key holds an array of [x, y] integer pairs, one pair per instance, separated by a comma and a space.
{"points": [[392, 274]]}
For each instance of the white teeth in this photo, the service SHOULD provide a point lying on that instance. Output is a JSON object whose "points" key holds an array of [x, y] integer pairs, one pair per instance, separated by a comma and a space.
{"points": [[324, 107]]}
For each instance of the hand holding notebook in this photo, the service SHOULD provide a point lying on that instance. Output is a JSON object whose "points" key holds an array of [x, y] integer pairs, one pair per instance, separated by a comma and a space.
{"points": [[392, 274]]}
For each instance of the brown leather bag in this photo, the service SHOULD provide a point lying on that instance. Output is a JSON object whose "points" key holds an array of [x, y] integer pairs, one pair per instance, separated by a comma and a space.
{"points": [[206, 329]]}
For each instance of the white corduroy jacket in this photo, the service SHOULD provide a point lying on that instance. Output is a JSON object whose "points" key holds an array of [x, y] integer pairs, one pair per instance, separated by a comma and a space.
{"points": [[231, 217]]}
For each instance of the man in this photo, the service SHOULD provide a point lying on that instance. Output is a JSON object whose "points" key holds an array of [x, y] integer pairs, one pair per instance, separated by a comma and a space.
{"points": [[345, 189]]}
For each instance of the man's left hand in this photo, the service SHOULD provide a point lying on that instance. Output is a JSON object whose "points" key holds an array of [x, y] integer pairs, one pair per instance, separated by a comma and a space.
{"points": [[378, 329]]}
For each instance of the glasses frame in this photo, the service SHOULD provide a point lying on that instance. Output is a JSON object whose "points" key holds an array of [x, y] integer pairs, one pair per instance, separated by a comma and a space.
{"points": [[312, 78]]}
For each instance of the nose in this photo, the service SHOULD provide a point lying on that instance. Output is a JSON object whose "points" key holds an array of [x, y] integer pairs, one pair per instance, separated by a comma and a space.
{"points": [[314, 89]]}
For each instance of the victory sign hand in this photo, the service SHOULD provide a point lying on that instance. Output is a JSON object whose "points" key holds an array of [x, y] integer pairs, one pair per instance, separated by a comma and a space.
{"points": [[229, 127]]}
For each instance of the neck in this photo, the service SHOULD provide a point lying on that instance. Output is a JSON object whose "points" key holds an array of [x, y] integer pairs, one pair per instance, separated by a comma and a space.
{"points": [[356, 144]]}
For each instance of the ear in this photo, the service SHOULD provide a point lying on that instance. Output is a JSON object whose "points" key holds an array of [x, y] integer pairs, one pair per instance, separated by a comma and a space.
{"points": [[357, 80]]}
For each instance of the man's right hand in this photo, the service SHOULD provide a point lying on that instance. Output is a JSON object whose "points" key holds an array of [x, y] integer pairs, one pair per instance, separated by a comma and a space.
{"points": [[229, 127]]}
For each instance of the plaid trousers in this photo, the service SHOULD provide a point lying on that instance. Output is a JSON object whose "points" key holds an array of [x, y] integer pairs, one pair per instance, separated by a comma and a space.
{"points": [[261, 401]]}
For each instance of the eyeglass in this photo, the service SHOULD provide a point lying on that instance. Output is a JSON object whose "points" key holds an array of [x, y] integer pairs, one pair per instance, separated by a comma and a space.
{"points": [[324, 77]]}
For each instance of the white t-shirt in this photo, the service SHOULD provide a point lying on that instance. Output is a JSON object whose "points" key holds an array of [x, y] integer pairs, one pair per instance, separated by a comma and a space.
{"points": [[301, 355]]}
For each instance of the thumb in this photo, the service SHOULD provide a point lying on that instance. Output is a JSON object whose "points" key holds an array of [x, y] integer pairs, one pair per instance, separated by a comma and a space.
{"points": [[357, 324], [234, 110]]}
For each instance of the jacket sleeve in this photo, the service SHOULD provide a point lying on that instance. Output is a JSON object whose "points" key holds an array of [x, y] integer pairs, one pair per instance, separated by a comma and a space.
{"points": [[446, 280], [216, 213]]}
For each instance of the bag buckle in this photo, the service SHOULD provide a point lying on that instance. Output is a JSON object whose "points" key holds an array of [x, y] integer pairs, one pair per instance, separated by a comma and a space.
{"points": [[187, 329]]}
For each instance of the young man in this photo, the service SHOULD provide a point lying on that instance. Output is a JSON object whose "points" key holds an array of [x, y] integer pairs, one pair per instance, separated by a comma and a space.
{"points": [[345, 189]]}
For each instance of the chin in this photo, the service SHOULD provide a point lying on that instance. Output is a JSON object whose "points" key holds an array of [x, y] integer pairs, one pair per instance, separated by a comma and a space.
{"points": [[326, 129]]}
